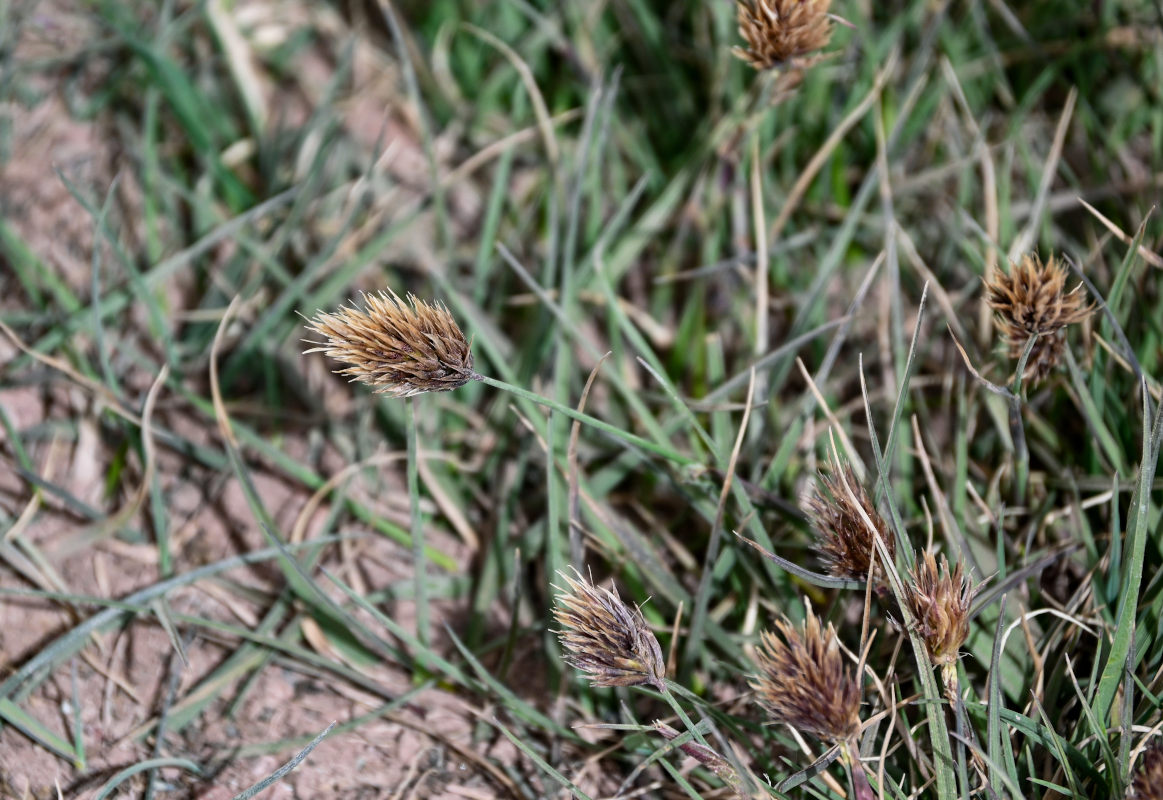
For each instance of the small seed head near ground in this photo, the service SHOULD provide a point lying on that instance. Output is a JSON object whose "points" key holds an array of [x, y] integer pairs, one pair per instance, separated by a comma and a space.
{"points": [[803, 680], [607, 639]]}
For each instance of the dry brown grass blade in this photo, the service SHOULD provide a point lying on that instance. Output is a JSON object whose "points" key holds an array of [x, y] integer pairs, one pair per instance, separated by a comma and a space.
{"points": [[1151, 258], [804, 181], [1024, 241], [576, 543]]}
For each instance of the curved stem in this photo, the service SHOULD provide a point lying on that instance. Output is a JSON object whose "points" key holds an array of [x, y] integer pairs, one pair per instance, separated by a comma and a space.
{"points": [[593, 422]]}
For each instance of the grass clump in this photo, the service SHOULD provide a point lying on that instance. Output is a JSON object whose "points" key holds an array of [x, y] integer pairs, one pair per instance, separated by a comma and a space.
{"points": [[664, 283]]}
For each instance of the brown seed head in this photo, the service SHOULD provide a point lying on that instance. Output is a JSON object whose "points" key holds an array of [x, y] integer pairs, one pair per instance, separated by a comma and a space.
{"points": [[398, 349], [607, 639], [939, 600], [1033, 300], [845, 543], [1148, 783], [803, 682], [782, 31]]}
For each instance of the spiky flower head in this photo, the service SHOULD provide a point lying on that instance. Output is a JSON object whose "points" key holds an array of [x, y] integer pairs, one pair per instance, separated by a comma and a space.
{"points": [[803, 681], [939, 599], [400, 349], [845, 541], [781, 32], [1032, 300], [1148, 783], [606, 638]]}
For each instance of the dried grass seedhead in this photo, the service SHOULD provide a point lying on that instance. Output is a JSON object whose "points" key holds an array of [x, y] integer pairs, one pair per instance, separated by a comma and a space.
{"points": [[803, 681], [1148, 783], [781, 32], [401, 349], [845, 542], [1032, 300], [939, 599], [607, 639]]}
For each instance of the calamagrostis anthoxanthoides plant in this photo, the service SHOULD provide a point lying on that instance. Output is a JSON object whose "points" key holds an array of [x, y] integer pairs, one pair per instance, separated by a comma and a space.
{"points": [[939, 599], [782, 32], [845, 541], [610, 642], [1032, 300], [405, 349], [803, 681], [397, 348], [606, 639]]}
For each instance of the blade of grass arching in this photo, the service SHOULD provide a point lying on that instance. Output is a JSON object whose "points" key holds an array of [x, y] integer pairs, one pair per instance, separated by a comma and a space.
{"points": [[31, 727], [68, 643], [1097, 730], [881, 488], [943, 764], [143, 766], [605, 427], [890, 442], [681, 780], [426, 656], [253, 749], [286, 768], [297, 578], [1123, 276], [195, 113], [694, 643], [33, 274], [1058, 744], [510, 701], [842, 238], [299, 471], [116, 302], [1106, 440], [1136, 543], [1123, 773], [998, 744], [538, 760]]}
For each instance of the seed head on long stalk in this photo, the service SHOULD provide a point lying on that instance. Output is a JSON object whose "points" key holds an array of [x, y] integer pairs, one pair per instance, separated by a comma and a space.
{"points": [[607, 639], [845, 542], [939, 599], [781, 32], [804, 683], [400, 349], [1032, 300]]}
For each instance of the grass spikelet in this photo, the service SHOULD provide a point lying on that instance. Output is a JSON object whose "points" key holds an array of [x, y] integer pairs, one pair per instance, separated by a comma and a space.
{"points": [[803, 681], [845, 542], [607, 639], [400, 349], [939, 598], [779, 32], [1032, 300]]}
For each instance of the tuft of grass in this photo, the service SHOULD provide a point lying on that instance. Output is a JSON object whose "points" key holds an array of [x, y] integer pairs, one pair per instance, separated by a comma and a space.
{"points": [[687, 285]]}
